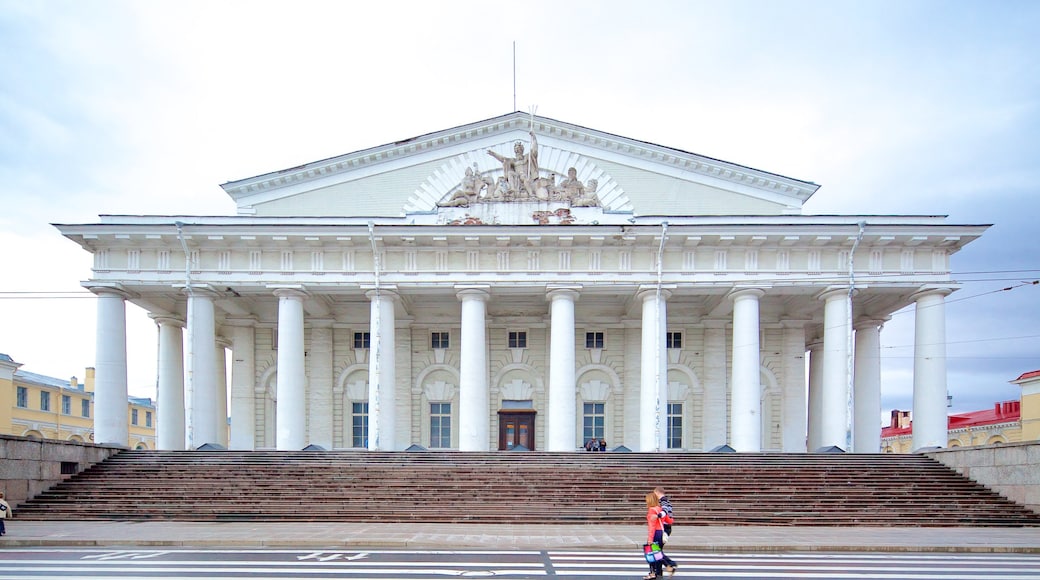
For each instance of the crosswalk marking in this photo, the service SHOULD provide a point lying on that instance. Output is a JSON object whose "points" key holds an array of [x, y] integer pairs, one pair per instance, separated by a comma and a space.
{"points": [[70, 564]]}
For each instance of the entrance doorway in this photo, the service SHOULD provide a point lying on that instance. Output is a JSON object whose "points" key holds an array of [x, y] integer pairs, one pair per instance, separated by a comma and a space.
{"points": [[516, 429]]}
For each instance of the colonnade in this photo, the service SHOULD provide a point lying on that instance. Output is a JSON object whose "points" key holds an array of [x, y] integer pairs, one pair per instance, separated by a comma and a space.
{"points": [[192, 392]]}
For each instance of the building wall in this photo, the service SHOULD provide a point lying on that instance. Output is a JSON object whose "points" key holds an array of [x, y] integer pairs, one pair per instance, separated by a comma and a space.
{"points": [[30, 466], [1013, 470], [697, 375], [7, 392], [31, 420], [1031, 411]]}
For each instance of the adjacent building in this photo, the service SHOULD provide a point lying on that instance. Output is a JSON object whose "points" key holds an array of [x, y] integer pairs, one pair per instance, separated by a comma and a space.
{"points": [[35, 405], [522, 283], [1006, 422]]}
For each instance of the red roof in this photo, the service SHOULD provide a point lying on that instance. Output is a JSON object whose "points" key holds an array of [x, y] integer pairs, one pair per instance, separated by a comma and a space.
{"points": [[1029, 375], [1005, 412]]}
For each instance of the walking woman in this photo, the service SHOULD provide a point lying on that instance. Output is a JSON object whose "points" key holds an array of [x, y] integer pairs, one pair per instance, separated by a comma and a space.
{"points": [[655, 534]]}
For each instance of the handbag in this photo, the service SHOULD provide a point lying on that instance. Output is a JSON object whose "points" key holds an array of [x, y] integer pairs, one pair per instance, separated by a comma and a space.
{"points": [[652, 553]]}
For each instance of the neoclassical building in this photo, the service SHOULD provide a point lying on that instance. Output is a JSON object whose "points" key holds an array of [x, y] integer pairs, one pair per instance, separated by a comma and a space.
{"points": [[521, 283]]}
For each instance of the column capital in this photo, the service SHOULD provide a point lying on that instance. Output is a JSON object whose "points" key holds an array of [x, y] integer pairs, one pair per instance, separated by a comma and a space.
{"points": [[647, 292], [222, 341], [746, 291], [110, 288], [941, 291], [482, 293], [200, 290], [794, 323], [552, 292], [868, 322], [832, 292], [167, 319], [320, 322], [289, 291], [383, 291], [240, 321]]}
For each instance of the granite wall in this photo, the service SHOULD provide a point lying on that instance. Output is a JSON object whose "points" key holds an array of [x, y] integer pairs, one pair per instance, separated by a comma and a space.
{"points": [[29, 466]]}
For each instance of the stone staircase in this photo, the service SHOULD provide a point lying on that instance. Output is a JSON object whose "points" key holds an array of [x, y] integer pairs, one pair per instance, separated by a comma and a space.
{"points": [[776, 489]]}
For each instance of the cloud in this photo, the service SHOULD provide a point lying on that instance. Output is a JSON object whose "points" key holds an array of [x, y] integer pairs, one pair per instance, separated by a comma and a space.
{"points": [[898, 107]]}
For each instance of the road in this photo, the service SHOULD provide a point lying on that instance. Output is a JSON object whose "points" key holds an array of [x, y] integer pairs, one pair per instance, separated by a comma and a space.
{"points": [[135, 564]]}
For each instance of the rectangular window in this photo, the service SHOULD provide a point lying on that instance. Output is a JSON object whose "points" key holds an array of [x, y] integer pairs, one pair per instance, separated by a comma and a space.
{"points": [[593, 340], [147, 418], [45, 401], [439, 340], [593, 421], [517, 339], [359, 425], [133, 416], [362, 340], [66, 405], [440, 425], [674, 339], [23, 397], [675, 426], [85, 408]]}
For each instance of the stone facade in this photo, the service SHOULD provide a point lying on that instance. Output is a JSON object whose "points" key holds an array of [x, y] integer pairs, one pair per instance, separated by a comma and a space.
{"points": [[30, 466], [526, 282], [1012, 470]]}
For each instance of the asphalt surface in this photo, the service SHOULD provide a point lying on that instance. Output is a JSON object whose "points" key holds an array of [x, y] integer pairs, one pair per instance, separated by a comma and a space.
{"points": [[513, 537]]}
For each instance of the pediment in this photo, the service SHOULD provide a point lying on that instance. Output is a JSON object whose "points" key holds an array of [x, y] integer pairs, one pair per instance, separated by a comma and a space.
{"points": [[426, 179]]}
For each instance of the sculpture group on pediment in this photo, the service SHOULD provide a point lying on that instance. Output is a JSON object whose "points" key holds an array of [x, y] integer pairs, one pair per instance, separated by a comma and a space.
{"points": [[473, 184], [521, 181]]}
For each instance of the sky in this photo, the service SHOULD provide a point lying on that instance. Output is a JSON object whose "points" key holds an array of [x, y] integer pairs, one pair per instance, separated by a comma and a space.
{"points": [[893, 106]]}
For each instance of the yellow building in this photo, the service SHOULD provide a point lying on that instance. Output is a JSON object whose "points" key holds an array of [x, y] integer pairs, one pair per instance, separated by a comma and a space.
{"points": [[1030, 383], [1006, 422], [34, 405]]}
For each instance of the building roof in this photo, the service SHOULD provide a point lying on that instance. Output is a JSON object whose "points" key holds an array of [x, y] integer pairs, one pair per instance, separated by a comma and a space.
{"points": [[44, 380], [1026, 376], [1003, 412]]}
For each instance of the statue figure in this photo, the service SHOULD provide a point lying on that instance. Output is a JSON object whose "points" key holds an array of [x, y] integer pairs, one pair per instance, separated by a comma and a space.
{"points": [[571, 188], [588, 197], [501, 190], [472, 184], [544, 188], [521, 170]]}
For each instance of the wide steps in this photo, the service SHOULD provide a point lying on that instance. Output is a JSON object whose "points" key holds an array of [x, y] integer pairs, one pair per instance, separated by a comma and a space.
{"points": [[534, 487]]}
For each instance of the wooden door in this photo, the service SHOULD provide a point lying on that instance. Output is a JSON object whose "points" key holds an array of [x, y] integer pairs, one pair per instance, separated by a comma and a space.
{"points": [[515, 429]]}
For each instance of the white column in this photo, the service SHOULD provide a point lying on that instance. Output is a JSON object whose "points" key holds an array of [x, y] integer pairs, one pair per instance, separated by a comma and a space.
{"points": [[381, 380], [835, 386], [243, 367], [746, 417], [201, 381], [794, 404], [561, 431], [320, 363], [474, 410], [220, 352], [291, 387], [814, 438], [716, 412], [170, 384], [866, 389], [111, 424], [929, 415], [653, 377]]}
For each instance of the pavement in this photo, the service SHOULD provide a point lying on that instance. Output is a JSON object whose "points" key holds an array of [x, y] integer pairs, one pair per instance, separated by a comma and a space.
{"points": [[339, 536]]}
